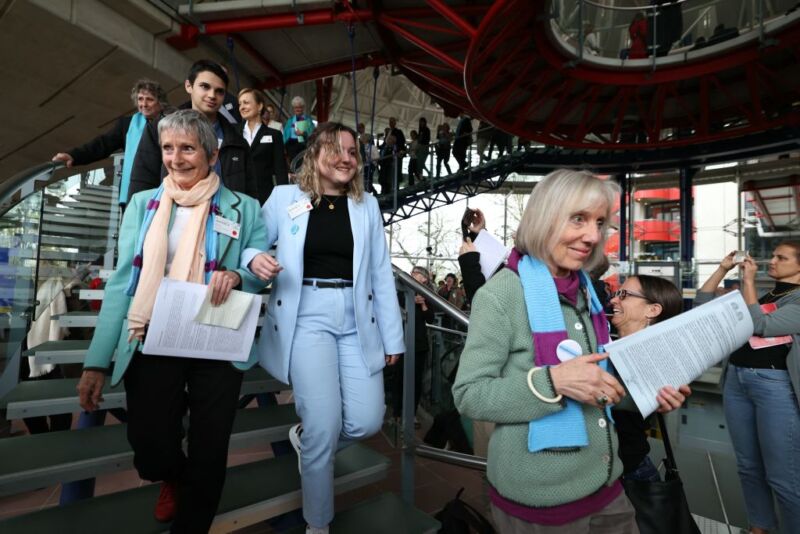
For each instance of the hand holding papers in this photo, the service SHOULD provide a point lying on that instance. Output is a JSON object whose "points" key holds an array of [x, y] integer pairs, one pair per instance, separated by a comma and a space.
{"points": [[175, 330], [680, 349]]}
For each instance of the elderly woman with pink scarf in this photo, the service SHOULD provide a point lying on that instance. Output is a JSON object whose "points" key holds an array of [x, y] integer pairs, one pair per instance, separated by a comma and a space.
{"points": [[180, 230]]}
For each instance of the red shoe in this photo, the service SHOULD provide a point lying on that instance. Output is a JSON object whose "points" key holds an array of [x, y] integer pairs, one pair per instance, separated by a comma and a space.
{"points": [[167, 502]]}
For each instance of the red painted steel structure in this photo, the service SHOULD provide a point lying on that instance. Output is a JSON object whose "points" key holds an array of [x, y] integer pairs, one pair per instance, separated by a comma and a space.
{"points": [[502, 61]]}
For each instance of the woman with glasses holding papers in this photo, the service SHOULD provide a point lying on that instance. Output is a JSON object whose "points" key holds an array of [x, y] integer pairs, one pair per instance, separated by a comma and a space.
{"points": [[533, 363], [762, 387], [191, 229], [641, 301]]}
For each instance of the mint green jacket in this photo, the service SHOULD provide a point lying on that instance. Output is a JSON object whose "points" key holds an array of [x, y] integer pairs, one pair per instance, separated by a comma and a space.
{"points": [[111, 332], [492, 385]]}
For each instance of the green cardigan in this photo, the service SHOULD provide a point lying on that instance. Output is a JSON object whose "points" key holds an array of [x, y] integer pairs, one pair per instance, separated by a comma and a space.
{"points": [[491, 385], [111, 331]]}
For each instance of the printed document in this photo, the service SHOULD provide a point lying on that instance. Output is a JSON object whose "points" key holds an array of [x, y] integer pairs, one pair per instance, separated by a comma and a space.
{"points": [[492, 252], [680, 349], [173, 330]]}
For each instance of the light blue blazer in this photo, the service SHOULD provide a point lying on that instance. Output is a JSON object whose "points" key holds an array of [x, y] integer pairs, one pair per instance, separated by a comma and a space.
{"points": [[378, 321], [111, 332]]}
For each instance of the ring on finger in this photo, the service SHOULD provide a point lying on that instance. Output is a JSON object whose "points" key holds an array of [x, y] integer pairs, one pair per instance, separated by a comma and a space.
{"points": [[602, 399]]}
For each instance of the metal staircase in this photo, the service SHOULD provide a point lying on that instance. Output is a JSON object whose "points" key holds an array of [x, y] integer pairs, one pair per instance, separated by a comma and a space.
{"points": [[66, 227]]}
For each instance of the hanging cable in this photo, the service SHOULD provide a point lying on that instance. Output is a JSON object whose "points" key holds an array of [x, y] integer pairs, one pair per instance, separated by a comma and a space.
{"points": [[229, 42], [351, 33], [370, 165]]}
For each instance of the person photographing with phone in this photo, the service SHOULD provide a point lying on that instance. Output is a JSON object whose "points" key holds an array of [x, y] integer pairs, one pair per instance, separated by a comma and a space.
{"points": [[762, 387]]}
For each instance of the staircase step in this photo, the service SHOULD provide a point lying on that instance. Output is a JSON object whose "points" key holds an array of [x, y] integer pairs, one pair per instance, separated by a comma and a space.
{"points": [[57, 457], [77, 212], [108, 190], [253, 492], [89, 198], [84, 222], [50, 227], [49, 397], [101, 196], [58, 352], [75, 242], [386, 514], [56, 255]]}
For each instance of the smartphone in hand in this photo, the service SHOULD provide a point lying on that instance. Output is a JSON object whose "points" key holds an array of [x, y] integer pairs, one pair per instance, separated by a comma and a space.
{"points": [[739, 256]]}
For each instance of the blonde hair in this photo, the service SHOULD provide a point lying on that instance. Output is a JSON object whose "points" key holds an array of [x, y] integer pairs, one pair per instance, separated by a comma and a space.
{"points": [[326, 136], [558, 196], [258, 96]]}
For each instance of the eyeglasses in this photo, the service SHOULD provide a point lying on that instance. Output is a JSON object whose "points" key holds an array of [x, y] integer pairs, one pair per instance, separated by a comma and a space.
{"points": [[622, 294]]}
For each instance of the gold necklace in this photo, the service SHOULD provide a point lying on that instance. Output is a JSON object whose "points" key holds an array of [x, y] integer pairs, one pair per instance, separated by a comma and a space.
{"points": [[331, 205], [782, 293]]}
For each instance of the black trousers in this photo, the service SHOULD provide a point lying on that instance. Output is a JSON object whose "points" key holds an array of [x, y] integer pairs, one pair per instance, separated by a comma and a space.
{"points": [[160, 389]]}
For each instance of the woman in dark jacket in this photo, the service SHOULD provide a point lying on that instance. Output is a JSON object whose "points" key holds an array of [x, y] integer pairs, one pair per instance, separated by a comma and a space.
{"points": [[266, 144]]}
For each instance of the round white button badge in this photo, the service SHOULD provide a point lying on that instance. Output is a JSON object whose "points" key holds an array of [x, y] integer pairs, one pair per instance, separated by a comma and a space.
{"points": [[568, 349]]}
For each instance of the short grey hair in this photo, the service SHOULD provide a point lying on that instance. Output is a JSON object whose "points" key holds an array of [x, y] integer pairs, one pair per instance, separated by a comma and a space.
{"points": [[144, 84], [191, 122], [559, 195], [298, 101]]}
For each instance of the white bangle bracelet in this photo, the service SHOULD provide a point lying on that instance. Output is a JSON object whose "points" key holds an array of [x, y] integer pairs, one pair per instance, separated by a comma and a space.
{"points": [[538, 395]]}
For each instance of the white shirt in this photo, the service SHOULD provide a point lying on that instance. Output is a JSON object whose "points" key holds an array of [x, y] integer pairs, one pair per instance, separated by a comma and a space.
{"points": [[182, 215], [248, 135]]}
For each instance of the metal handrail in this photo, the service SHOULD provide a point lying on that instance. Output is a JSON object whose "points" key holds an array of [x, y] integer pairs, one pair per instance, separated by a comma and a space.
{"points": [[433, 298], [15, 189]]}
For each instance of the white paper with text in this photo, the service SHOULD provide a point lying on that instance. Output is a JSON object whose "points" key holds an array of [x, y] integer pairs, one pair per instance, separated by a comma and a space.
{"points": [[493, 253], [174, 332], [680, 349]]}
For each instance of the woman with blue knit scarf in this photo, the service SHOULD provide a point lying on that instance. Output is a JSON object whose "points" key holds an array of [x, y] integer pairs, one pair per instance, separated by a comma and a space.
{"points": [[534, 364]]}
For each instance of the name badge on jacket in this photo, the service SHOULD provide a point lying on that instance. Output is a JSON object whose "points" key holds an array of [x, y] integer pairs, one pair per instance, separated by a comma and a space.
{"points": [[299, 208], [266, 139], [226, 227]]}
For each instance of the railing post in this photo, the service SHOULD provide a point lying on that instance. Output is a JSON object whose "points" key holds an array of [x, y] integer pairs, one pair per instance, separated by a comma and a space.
{"points": [[408, 443], [394, 178], [654, 48]]}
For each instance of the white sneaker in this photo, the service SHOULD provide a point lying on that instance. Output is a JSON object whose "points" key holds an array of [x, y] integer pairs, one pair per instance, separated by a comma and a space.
{"points": [[294, 438], [315, 530]]}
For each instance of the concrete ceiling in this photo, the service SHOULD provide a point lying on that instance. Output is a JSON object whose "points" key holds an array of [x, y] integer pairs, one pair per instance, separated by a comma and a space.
{"points": [[68, 66]]}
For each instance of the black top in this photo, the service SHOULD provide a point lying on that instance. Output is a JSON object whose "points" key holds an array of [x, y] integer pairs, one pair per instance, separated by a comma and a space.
{"points": [[269, 163], [328, 251], [768, 357], [631, 431]]}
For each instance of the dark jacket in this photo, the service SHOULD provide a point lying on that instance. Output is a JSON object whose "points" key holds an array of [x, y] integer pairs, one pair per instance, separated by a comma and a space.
{"points": [[269, 161], [234, 155], [103, 145], [470, 267]]}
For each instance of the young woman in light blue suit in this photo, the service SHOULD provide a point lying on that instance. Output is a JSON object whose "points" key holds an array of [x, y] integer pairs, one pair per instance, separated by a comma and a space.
{"points": [[333, 319]]}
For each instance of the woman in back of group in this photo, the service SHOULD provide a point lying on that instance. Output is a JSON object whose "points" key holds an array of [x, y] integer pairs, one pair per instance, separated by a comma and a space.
{"points": [[533, 363], [761, 390], [266, 144], [333, 320]]}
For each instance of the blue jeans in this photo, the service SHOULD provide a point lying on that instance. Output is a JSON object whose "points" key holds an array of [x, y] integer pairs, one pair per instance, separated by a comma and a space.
{"points": [[335, 396], [764, 423]]}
